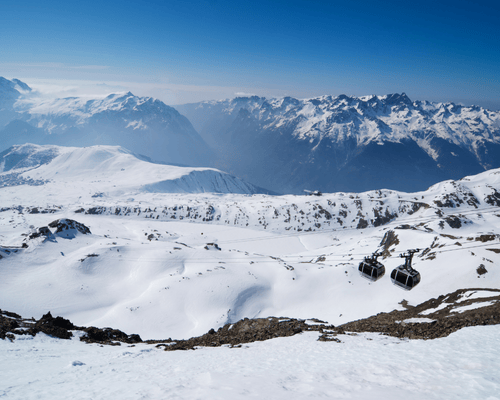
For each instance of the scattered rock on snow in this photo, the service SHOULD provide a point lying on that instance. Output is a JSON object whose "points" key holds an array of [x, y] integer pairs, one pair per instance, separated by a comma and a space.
{"points": [[42, 231], [212, 246], [65, 224]]}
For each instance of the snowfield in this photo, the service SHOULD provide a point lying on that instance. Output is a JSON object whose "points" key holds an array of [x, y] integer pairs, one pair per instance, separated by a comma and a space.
{"points": [[175, 265], [464, 365]]}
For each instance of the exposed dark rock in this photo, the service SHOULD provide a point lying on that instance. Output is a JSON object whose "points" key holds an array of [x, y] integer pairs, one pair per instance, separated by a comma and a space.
{"points": [[58, 327], [444, 321], [441, 314], [212, 246], [12, 323], [481, 270], [89, 256], [404, 226], [42, 231], [485, 238], [362, 224], [95, 210], [454, 222], [243, 331], [65, 224], [7, 325], [390, 238], [382, 219], [493, 199], [108, 336]]}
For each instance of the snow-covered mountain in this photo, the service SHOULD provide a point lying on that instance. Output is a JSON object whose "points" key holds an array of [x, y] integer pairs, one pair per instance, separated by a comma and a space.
{"points": [[144, 124], [76, 174], [176, 265], [287, 145], [10, 92], [347, 143], [82, 238]]}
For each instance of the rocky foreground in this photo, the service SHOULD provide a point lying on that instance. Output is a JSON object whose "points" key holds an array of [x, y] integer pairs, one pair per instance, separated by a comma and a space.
{"points": [[432, 319]]}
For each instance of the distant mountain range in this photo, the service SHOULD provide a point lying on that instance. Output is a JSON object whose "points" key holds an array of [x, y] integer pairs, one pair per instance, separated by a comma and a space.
{"points": [[287, 145], [143, 124], [347, 143]]}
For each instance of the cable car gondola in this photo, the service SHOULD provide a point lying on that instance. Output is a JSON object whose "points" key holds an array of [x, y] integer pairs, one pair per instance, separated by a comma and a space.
{"points": [[371, 269], [405, 276]]}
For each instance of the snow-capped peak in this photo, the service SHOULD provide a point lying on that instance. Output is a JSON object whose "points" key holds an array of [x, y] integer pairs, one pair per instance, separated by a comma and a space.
{"points": [[14, 85], [341, 140]]}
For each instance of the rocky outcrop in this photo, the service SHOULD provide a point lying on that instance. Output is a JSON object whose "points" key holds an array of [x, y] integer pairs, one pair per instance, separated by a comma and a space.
{"points": [[65, 224], [432, 319]]}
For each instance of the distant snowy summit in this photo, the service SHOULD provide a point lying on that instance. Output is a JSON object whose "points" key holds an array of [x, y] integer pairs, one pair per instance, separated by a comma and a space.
{"points": [[103, 171], [286, 145], [348, 143], [10, 92], [144, 124]]}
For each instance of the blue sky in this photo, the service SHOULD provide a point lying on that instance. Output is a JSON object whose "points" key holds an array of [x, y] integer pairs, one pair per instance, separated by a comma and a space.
{"points": [[184, 51]]}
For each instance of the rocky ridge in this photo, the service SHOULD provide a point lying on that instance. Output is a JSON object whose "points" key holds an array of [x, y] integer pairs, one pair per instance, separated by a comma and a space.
{"points": [[347, 143], [432, 319], [450, 203]]}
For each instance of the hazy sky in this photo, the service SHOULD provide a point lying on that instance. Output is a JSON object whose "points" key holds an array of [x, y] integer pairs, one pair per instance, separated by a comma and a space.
{"points": [[185, 51]]}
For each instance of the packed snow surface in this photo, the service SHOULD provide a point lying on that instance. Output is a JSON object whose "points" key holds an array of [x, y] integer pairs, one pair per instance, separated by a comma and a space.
{"points": [[464, 365]]}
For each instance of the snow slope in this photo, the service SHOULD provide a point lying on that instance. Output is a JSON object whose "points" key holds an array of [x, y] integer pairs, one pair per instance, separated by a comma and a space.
{"points": [[178, 264], [100, 171], [346, 143], [148, 266]]}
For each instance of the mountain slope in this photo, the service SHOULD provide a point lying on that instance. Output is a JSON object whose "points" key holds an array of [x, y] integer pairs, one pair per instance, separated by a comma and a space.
{"points": [[10, 92], [346, 143], [176, 265], [144, 124], [101, 171]]}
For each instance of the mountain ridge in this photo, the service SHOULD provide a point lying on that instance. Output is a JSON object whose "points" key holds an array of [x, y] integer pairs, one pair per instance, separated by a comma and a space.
{"points": [[343, 136], [145, 124], [327, 143]]}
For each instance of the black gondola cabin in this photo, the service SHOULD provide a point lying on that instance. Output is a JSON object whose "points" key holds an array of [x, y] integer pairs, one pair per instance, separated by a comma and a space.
{"points": [[405, 276], [371, 269]]}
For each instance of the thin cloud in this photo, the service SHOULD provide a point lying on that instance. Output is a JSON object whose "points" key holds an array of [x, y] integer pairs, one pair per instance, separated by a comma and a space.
{"points": [[56, 66], [170, 93], [244, 94]]}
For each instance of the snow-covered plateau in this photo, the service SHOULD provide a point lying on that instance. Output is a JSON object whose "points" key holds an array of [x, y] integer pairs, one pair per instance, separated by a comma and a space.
{"points": [[95, 235]]}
